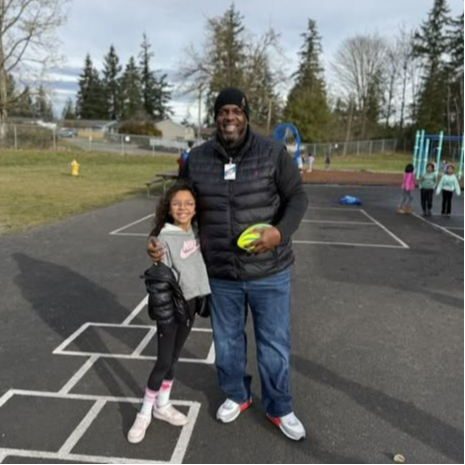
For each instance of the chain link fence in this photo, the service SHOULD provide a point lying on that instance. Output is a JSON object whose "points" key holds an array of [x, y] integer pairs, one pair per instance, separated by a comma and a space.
{"points": [[28, 136], [32, 136], [354, 148]]}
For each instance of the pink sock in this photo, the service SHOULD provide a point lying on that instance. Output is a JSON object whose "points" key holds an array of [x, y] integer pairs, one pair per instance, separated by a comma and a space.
{"points": [[163, 397], [149, 399]]}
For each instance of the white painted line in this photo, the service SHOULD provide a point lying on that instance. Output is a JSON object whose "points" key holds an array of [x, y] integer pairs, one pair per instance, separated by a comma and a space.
{"points": [[366, 223], [129, 234], [186, 433], [61, 349], [352, 244], [6, 397], [455, 228], [400, 241], [130, 356], [2, 457], [136, 311], [119, 325], [346, 209], [100, 401], [92, 397], [456, 236], [80, 430], [79, 375], [202, 330], [144, 343], [37, 454], [211, 355], [132, 224], [71, 338]]}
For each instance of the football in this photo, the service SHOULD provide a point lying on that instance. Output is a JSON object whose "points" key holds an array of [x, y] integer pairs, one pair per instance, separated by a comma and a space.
{"points": [[249, 236]]}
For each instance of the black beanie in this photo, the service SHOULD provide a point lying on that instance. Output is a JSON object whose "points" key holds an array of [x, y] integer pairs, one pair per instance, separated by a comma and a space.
{"points": [[232, 96]]}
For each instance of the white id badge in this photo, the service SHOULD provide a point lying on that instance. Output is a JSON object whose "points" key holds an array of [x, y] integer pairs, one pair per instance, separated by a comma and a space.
{"points": [[230, 171]]}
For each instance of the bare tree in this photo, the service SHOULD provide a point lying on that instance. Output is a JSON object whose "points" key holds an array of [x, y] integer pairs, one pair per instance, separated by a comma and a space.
{"points": [[402, 70], [404, 47], [359, 67], [393, 64], [27, 42]]}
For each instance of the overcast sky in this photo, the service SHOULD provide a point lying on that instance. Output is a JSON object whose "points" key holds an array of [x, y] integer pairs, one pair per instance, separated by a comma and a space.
{"points": [[171, 25]]}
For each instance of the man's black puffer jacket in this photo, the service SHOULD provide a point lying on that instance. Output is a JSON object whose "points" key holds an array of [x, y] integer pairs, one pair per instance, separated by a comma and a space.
{"points": [[267, 189], [166, 301]]}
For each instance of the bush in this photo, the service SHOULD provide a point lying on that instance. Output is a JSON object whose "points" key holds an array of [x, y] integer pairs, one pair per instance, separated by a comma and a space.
{"points": [[139, 128]]}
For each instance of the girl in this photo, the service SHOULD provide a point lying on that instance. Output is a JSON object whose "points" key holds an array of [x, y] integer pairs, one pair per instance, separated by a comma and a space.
{"points": [[427, 185], [173, 226], [408, 185], [447, 185], [310, 161]]}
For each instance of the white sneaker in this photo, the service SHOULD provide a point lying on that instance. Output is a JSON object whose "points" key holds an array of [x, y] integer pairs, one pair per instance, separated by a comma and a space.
{"points": [[230, 410], [290, 425], [137, 432], [169, 414]]}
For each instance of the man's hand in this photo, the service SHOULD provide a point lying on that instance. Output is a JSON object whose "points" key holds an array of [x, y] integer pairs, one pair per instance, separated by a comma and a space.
{"points": [[268, 240], [154, 249]]}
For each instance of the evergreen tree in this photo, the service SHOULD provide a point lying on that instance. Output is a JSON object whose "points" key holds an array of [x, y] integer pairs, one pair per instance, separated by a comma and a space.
{"points": [[131, 91], [431, 44], [456, 46], [25, 105], [90, 103], [68, 110], [11, 88], [307, 105], [226, 54], [163, 98], [43, 108], [149, 84], [455, 77], [21, 103], [111, 84], [156, 92]]}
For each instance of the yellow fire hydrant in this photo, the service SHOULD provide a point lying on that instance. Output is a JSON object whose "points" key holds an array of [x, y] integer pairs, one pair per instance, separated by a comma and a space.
{"points": [[74, 168]]}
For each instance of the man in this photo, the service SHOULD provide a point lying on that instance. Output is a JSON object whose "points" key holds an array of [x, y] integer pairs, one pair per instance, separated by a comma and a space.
{"points": [[244, 179]]}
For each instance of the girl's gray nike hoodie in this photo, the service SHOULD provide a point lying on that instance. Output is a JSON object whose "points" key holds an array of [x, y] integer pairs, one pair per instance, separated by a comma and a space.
{"points": [[183, 255]]}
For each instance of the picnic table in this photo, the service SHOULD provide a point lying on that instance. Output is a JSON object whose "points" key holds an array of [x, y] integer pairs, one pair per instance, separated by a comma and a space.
{"points": [[161, 178]]}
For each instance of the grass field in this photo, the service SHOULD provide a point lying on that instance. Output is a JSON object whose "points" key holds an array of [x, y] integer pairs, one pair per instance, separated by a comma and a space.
{"points": [[36, 186]]}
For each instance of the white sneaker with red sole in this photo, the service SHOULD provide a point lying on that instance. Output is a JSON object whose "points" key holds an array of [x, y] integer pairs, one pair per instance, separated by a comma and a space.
{"points": [[230, 410], [290, 425]]}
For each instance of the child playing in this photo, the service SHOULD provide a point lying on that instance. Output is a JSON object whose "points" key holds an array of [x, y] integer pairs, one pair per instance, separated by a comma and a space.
{"points": [[427, 184], [310, 161], [408, 185], [447, 185], [173, 226]]}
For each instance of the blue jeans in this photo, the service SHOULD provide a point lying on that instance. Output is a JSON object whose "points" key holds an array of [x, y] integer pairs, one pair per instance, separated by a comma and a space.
{"points": [[269, 302]]}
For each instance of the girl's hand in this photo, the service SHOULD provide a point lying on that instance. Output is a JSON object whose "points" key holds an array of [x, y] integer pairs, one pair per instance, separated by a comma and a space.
{"points": [[154, 249]]}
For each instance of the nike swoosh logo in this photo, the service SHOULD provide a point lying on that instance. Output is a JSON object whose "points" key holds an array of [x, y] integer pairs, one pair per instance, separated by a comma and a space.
{"points": [[184, 254]]}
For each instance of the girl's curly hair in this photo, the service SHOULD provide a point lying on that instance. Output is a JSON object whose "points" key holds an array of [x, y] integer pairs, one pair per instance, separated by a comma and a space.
{"points": [[162, 212]]}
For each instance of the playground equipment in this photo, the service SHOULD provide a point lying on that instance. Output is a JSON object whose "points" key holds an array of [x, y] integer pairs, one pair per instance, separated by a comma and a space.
{"points": [[425, 148], [282, 132]]}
